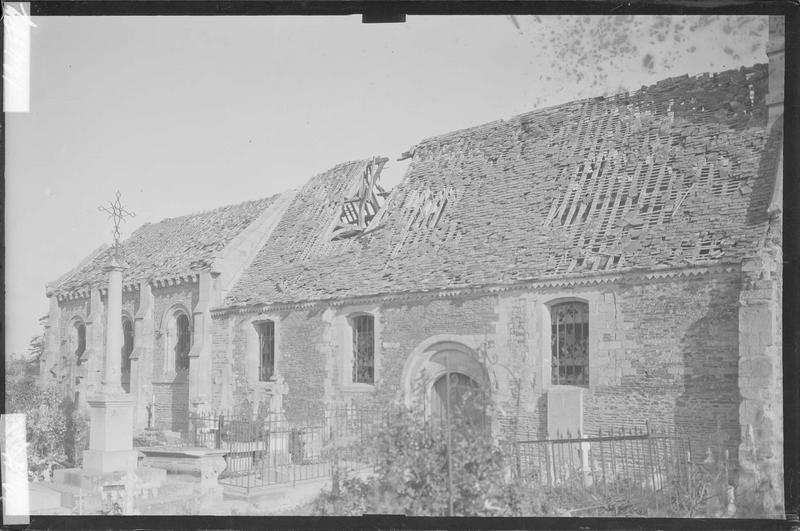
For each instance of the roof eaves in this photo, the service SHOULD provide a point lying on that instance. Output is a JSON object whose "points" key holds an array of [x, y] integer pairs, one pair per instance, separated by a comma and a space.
{"points": [[555, 281], [52, 287]]}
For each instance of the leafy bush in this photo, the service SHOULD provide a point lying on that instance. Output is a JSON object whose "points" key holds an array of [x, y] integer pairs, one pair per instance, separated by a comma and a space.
{"points": [[411, 474], [56, 431], [46, 427], [76, 437]]}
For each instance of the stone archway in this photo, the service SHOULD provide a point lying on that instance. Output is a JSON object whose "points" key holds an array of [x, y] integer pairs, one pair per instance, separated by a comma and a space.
{"points": [[425, 384]]}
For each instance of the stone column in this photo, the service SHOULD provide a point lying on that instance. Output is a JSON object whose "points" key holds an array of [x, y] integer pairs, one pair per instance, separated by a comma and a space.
{"points": [[200, 376], [142, 355], [95, 346], [112, 365], [760, 482], [52, 342], [776, 51], [111, 412]]}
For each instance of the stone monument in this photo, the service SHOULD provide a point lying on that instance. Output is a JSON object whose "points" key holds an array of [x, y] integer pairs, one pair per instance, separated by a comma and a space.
{"points": [[110, 478]]}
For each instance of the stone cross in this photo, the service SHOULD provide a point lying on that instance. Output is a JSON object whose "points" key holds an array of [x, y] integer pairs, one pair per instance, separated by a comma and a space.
{"points": [[117, 213]]}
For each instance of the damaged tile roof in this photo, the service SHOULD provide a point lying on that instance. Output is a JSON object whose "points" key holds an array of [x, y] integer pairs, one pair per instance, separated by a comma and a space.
{"points": [[170, 248], [674, 174]]}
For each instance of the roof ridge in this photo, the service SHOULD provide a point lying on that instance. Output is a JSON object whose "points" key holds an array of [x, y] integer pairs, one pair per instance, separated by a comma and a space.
{"points": [[544, 110], [211, 210]]}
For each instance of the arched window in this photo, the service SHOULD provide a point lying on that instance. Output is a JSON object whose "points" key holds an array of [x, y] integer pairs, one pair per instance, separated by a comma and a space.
{"points": [[266, 350], [127, 349], [569, 340], [363, 349], [183, 343], [79, 340]]}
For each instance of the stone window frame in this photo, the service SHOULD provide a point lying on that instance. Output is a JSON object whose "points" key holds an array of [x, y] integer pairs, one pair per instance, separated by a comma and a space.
{"points": [[169, 365], [343, 324], [582, 366], [258, 324], [126, 360], [252, 354], [542, 318], [358, 323], [77, 323]]}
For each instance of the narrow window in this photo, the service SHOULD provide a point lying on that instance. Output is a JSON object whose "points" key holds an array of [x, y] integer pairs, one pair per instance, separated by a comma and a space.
{"points": [[184, 342], [266, 350], [364, 349], [80, 341], [570, 343], [127, 349]]}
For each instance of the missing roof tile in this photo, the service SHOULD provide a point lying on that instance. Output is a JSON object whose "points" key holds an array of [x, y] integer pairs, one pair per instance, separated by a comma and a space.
{"points": [[359, 211]]}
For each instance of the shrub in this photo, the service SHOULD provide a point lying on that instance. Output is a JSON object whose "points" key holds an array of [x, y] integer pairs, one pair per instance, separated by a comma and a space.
{"points": [[76, 437], [410, 456], [46, 430], [56, 431]]}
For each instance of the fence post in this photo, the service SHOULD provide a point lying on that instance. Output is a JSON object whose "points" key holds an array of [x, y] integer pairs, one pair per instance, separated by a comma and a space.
{"points": [[689, 474], [652, 467], [334, 461], [218, 436]]}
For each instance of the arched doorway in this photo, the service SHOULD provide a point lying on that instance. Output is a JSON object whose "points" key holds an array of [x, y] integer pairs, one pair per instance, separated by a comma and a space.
{"points": [[457, 397], [445, 371]]}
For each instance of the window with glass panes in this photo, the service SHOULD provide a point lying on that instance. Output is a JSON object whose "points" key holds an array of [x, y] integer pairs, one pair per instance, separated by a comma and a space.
{"points": [[266, 350], [363, 349], [184, 342], [570, 343]]}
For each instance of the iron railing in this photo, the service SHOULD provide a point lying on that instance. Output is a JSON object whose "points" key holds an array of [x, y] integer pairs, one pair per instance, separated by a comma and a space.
{"points": [[627, 463], [644, 455], [274, 450]]}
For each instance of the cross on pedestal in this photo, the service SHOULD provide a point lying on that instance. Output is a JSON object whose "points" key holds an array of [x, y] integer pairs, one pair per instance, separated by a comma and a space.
{"points": [[111, 412], [117, 213]]}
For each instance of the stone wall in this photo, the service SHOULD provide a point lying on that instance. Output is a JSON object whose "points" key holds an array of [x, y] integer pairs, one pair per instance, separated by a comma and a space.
{"points": [[663, 351], [674, 350], [172, 404], [298, 387], [170, 390], [760, 488]]}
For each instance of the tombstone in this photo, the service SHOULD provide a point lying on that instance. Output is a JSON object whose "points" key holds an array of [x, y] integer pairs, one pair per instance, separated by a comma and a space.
{"points": [[565, 420]]}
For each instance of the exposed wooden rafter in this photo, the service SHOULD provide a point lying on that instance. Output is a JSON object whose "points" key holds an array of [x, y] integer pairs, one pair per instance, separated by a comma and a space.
{"points": [[360, 210]]}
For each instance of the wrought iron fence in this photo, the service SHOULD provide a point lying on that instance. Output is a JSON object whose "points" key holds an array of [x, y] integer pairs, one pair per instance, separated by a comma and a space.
{"points": [[645, 455], [274, 450], [617, 467], [623, 463]]}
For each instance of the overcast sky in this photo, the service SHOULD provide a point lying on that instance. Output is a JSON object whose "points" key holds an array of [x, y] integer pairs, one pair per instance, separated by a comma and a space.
{"points": [[183, 114]]}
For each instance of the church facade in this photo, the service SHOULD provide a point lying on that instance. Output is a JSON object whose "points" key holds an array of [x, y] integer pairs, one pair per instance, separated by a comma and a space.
{"points": [[621, 253]]}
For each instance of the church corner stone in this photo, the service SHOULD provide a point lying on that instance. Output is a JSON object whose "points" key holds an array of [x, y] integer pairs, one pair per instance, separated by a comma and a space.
{"points": [[760, 480]]}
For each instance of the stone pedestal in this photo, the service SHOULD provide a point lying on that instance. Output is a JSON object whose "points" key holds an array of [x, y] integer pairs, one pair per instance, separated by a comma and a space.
{"points": [[110, 435]]}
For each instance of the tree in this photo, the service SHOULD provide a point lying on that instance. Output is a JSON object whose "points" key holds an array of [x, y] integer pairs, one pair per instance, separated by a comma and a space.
{"points": [[600, 55], [56, 431]]}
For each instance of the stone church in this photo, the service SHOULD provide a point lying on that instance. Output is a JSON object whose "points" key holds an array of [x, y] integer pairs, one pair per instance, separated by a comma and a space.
{"points": [[621, 255]]}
